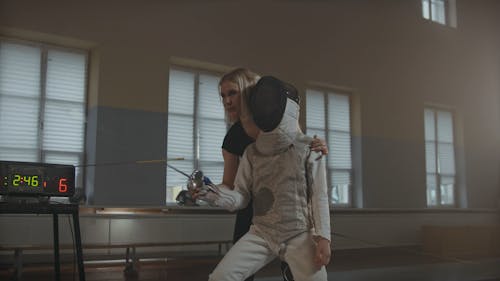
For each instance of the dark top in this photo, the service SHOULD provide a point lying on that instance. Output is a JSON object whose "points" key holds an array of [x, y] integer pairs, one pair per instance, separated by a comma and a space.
{"points": [[236, 139], [235, 142]]}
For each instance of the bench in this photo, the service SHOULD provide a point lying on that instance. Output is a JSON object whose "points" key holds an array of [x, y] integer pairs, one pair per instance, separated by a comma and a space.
{"points": [[462, 241], [131, 257]]}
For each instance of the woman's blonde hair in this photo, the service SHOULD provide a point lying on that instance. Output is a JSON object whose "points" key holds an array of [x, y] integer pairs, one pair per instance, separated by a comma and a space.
{"points": [[245, 79]]}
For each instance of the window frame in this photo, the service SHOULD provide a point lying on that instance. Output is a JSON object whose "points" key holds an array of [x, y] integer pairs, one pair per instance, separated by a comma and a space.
{"points": [[42, 153], [197, 71], [326, 91], [437, 174], [449, 12]]}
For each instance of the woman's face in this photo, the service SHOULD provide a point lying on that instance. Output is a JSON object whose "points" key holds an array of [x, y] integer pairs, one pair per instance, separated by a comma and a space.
{"points": [[230, 95]]}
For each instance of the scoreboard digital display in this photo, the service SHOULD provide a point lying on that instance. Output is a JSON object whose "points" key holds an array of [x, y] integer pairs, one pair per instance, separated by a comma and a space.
{"points": [[41, 179]]}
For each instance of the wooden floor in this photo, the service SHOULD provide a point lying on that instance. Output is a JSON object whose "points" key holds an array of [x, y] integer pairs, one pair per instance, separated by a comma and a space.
{"points": [[198, 268]]}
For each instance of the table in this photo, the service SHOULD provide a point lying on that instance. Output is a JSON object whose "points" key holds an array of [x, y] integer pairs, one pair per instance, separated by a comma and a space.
{"points": [[54, 208]]}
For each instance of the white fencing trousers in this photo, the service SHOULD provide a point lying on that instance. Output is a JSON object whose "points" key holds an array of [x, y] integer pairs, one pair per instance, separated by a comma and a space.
{"points": [[251, 253]]}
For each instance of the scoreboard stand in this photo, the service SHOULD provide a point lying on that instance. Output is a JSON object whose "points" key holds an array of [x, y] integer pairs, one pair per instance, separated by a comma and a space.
{"points": [[27, 188]]}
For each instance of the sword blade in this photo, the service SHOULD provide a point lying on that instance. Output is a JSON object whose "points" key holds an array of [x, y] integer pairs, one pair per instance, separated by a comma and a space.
{"points": [[177, 170]]}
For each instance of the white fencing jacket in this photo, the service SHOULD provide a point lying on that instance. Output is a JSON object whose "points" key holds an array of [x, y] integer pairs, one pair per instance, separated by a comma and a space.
{"points": [[286, 180]]}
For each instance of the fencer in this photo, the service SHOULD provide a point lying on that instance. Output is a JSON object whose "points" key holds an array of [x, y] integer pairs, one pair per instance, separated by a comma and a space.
{"points": [[287, 182]]}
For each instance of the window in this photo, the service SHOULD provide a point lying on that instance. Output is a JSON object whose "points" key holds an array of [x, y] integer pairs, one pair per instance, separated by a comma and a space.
{"points": [[42, 104], [196, 128], [328, 116], [440, 11], [439, 157]]}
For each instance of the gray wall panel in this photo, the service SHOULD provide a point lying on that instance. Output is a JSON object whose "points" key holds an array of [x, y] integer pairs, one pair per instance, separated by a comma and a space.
{"points": [[123, 138]]}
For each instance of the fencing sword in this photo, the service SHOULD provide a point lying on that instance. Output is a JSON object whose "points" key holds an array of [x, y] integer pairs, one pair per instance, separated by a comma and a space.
{"points": [[177, 170], [153, 161], [196, 179]]}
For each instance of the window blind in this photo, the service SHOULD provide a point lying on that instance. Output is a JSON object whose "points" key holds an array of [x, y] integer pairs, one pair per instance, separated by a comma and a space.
{"points": [[339, 124], [180, 137], [438, 11], [196, 127], [332, 123], [315, 114], [64, 111], [434, 10], [211, 129], [425, 9], [439, 157], [19, 102]]}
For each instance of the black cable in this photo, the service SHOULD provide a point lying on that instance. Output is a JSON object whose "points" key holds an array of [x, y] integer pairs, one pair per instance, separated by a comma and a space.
{"points": [[73, 248]]}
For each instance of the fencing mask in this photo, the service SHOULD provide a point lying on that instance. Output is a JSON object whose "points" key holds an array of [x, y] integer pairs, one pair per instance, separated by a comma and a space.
{"points": [[268, 100]]}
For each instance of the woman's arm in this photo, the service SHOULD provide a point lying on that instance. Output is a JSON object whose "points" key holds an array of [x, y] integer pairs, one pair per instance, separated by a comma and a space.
{"points": [[231, 162]]}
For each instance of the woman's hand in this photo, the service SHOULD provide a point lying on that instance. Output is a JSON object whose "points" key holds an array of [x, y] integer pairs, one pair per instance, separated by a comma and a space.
{"points": [[319, 145]]}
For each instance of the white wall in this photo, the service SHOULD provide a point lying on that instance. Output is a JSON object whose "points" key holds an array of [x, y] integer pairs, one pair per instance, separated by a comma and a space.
{"points": [[351, 228], [395, 61]]}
